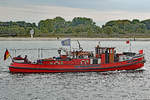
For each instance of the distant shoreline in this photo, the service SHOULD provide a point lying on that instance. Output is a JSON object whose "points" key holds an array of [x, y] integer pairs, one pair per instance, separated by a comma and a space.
{"points": [[84, 39]]}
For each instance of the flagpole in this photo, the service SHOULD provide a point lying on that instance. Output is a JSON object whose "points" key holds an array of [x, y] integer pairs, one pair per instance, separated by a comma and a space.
{"points": [[128, 42], [67, 42], [130, 46], [70, 48], [11, 58]]}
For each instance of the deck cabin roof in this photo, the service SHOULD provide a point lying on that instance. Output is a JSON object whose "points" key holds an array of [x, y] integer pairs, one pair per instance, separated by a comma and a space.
{"points": [[98, 46]]}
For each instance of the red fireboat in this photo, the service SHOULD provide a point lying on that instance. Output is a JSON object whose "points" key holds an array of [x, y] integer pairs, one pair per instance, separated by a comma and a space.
{"points": [[103, 59]]}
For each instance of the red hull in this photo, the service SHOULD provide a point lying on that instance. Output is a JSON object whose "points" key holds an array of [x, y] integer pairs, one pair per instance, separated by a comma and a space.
{"points": [[39, 68]]}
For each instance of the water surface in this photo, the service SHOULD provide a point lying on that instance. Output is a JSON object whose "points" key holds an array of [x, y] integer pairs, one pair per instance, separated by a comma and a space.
{"points": [[117, 85]]}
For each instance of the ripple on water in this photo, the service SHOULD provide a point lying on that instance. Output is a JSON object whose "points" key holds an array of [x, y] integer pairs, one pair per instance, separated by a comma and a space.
{"points": [[118, 85]]}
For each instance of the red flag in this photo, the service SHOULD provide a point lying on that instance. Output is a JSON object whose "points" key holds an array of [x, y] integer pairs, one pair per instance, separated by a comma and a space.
{"points": [[140, 51], [127, 42], [6, 55]]}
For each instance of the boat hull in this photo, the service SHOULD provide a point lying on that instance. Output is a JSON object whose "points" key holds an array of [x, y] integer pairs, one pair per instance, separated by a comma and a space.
{"points": [[52, 68]]}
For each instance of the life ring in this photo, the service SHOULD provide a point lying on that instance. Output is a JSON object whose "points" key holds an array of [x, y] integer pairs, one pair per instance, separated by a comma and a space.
{"points": [[87, 61], [56, 62], [51, 62], [62, 62], [83, 62]]}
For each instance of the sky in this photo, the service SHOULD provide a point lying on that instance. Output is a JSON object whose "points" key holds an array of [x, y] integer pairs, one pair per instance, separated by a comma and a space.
{"points": [[101, 11]]}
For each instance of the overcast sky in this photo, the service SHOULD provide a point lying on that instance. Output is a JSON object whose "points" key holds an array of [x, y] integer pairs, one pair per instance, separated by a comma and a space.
{"points": [[100, 11]]}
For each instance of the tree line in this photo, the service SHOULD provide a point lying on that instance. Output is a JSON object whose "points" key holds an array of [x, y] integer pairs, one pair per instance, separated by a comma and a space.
{"points": [[79, 26]]}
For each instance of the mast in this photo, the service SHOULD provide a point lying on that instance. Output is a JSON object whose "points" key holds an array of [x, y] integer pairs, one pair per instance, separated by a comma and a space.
{"points": [[80, 48]]}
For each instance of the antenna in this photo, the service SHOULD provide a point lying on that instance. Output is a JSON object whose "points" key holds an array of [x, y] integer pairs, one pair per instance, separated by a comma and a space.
{"points": [[99, 43], [80, 48]]}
